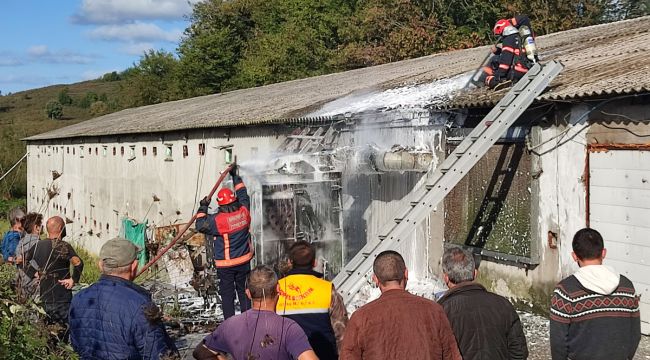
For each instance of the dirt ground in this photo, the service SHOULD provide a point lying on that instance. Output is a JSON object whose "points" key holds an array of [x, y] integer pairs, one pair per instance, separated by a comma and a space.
{"points": [[537, 335]]}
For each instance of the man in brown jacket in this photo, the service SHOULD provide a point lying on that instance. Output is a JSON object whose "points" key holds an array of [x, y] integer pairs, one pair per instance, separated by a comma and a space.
{"points": [[398, 325]]}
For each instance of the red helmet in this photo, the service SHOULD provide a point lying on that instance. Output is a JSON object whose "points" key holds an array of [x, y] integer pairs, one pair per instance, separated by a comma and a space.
{"points": [[500, 25], [225, 196]]}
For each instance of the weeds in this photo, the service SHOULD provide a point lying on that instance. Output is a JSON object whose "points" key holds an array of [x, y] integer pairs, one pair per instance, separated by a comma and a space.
{"points": [[23, 334], [91, 271]]}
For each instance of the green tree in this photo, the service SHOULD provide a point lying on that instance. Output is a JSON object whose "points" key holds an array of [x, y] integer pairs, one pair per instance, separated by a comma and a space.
{"points": [[98, 108], [54, 109], [111, 76], [154, 79], [64, 96]]}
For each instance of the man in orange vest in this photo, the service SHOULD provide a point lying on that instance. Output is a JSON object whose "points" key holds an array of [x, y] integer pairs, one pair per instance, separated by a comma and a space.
{"points": [[229, 231], [312, 302]]}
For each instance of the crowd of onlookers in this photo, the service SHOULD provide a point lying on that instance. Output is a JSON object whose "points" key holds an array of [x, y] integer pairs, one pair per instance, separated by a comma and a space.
{"points": [[594, 313]]}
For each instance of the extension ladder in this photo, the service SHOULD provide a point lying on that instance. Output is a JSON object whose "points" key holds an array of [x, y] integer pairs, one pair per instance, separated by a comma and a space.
{"points": [[425, 198]]}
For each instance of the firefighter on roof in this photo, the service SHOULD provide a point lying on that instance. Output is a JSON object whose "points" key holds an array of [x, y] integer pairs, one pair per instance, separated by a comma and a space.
{"points": [[229, 231], [514, 53]]}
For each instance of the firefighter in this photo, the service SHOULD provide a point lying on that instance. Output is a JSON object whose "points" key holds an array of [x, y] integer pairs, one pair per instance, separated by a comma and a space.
{"points": [[229, 231], [514, 53]]}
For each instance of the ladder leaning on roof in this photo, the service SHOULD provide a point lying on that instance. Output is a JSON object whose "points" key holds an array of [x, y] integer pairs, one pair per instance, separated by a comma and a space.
{"points": [[443, 178]]}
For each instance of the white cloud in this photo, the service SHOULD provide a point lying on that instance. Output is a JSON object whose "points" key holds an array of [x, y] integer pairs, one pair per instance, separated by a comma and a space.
{"points": [[135, 32], [122, 11], [10, 59], [41, 53], [137, 48], [37, 50]]}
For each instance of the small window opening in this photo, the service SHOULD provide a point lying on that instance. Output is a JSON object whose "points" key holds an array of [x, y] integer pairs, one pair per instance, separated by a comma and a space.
{"points": [[122, 150], [144, 151], [168, 153], [154, 151], [228, 158], [201, 149], [185, 151], [96, 151], [114, 151]]}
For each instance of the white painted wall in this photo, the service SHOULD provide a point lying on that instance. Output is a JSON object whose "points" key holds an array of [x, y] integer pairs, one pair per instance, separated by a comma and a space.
{"points": [[104, 189]]}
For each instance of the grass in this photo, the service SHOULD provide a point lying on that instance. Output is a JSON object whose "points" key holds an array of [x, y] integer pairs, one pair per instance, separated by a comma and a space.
{"points": [[91, 271]]}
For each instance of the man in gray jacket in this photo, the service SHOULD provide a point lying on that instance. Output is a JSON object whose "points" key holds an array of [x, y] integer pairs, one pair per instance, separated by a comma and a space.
{"points": [[485, 324]]}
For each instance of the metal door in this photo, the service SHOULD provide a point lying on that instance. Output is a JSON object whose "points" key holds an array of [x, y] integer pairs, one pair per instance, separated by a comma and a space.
{"points": [[619, 208]]}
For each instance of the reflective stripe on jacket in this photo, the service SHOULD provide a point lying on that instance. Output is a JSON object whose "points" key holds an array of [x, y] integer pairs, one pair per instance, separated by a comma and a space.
{"points": [[229, 229]]}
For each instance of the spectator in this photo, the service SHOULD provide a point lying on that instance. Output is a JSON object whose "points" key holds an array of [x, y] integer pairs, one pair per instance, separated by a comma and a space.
{"points": [[33, 225], [320, 312], [594, 312], [486, 325], [398, 325], [115, 318], [12, 237], [50, 260], [258, 333]]}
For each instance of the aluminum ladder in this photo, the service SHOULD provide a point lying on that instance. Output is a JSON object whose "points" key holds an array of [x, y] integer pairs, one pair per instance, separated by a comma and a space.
{"points": [[424, 199]]}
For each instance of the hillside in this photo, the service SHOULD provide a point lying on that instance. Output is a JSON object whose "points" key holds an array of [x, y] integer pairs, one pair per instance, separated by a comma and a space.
{"points": [[23, 114]]}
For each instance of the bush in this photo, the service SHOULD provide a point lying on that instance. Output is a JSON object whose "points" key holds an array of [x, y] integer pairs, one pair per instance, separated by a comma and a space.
{"points": [[54, 109], [23, 335], [64, 97], [98, 108], [91, 271]]}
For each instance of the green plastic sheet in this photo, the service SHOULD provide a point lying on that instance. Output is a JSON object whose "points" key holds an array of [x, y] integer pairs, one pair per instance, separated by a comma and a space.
{"points": [[135, 232]]}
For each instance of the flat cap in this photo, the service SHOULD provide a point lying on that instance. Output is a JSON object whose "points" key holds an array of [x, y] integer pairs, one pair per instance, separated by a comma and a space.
{"points": [[118, 252]]}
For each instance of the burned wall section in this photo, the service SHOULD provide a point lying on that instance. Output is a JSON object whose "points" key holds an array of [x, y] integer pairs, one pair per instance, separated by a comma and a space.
{"points": [[490, 207], [371, 198]]}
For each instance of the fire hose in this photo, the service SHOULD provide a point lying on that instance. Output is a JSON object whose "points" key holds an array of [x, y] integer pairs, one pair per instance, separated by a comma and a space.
{"points": [[187, 226]]}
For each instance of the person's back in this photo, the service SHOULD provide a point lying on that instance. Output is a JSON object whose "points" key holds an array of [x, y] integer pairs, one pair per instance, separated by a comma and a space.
{"points": [[116, 319], [398, 325], [595, 312], [262, 335], [258, 333], [312, 302], [486, 325]]}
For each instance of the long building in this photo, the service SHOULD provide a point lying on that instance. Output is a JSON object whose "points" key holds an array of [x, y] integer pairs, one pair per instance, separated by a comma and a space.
{"points": [[329, 158]]}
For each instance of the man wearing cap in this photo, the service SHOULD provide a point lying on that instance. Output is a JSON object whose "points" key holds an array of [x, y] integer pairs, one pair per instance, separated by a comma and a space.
{"points": [[115, 318], [228, 231]]}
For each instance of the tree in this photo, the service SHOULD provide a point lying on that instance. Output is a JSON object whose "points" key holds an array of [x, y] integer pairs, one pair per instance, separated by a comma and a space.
{"points": [[54, 109], [154, 79], [98, 108], [64, 97]]}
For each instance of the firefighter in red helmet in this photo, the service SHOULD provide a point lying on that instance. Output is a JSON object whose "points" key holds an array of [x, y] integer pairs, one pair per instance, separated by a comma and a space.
{"points": [[514, 53], [228, 230]]}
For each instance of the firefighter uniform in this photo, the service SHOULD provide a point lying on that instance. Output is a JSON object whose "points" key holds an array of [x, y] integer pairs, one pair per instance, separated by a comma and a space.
{"points": [[306, 299], [229, 232], [509, 61]]}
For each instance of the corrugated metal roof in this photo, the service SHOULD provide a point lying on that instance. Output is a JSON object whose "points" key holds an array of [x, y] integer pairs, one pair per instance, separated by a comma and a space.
{"points": [[603, 59]]}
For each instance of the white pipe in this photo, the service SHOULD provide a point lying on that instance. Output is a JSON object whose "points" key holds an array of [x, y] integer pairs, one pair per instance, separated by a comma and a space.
{"points": [[16, 164]]}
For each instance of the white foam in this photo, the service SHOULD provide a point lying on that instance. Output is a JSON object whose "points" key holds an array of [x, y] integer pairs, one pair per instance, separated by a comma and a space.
{"points": [[407, 97]]}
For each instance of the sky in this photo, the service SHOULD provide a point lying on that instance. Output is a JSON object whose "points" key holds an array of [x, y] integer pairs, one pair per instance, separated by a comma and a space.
{"points": [[47, 42]]}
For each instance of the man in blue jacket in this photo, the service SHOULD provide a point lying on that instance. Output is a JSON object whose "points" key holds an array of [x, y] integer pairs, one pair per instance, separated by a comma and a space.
{"points": [[228, 230], [12, 237], [114, 318]]}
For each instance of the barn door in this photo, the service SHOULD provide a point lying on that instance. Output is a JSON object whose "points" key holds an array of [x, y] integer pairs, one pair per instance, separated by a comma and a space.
{"points": [[619, 208]]}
